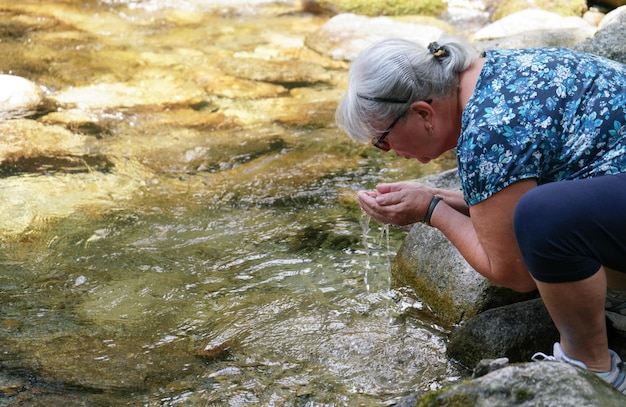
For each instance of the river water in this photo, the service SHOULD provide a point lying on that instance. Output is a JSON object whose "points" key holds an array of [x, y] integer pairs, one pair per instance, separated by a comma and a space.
{"points": [[236, 272]]}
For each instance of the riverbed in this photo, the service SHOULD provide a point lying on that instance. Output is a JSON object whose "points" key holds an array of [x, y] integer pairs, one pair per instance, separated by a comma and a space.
{"points": [[230, 265]]}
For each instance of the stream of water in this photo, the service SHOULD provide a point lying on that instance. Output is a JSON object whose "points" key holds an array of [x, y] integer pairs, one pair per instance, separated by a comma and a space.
{"points": [[250, 278]]}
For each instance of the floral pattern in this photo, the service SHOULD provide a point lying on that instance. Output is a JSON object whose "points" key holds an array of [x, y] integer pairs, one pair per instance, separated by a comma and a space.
{"points": [[545, 113]]}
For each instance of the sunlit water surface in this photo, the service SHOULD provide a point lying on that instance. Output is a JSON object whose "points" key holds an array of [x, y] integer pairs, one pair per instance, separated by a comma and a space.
{"points": [[179, 298]]}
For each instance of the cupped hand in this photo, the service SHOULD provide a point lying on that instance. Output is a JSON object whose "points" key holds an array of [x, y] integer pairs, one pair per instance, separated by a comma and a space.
{"points": [[400, 204]]}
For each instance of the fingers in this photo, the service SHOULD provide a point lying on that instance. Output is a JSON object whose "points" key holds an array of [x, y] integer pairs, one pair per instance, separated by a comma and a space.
{"points": [[396, 186], [400, 203], [393, 207], [367, 201]]}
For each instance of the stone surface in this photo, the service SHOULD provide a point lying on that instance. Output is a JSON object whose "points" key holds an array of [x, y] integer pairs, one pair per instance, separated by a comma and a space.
{"points": [[533, 20], [440, 276], [344, 36], [514, 331], [19, 97], [548, 384], [376, 7], [609, 41]]}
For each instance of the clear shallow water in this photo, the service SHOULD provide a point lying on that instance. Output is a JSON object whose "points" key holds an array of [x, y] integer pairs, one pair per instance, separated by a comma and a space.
{"points": [[240, 279], [221, 299]]}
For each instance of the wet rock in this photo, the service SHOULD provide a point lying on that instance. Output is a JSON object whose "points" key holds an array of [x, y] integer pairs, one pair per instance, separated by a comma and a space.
{"points": [[303, 108], [47, 170], [28, 147], [20, 97], [228, 157], [215, 351], [344, 36], [103, 126], [535, 20], [530, 384], [286, 73], [309, 108], [487, 366], [514, 331], [466, 17], [324, 235], [28, 138], [150, 89], [78, 121], [440, 276], [28, 199], [228, 86]]}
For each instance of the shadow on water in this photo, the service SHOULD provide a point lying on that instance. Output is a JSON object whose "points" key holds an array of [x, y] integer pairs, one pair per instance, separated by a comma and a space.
{"points": [[233, 272]]}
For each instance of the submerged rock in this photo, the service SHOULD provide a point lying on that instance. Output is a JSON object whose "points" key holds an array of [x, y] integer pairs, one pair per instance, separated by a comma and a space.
{"points": [[153, 90]]}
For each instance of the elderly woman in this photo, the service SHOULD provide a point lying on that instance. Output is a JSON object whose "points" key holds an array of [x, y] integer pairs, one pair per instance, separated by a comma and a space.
{"points": [[541, 152]]}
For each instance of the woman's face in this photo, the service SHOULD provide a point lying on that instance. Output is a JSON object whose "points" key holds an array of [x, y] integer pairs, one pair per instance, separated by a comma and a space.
{"points": [[421, 136]]}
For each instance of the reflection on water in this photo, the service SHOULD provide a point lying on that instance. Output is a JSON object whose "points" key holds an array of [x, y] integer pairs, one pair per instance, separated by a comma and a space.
{"points": [[236, 273]]}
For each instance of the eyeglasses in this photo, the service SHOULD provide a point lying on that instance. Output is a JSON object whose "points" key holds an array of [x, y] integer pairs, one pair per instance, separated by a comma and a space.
{"points": [[378, 142]]}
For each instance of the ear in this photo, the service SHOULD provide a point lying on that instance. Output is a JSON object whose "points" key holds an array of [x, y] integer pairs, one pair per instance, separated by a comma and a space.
{"points": [[422, 108]]}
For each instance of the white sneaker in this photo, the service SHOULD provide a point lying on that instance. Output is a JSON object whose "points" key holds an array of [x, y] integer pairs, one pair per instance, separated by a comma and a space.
{"points": [[616, 376]]}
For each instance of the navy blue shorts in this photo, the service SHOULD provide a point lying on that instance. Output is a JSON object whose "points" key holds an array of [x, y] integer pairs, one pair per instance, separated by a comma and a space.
{"points": [[566, 230]]}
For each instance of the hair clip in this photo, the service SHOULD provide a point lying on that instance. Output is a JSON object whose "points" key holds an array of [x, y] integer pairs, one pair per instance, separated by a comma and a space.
{"points": [[437, 50]]}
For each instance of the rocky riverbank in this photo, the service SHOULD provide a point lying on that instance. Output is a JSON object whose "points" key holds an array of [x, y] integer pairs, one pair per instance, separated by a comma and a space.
{"points": [[65, 126]]}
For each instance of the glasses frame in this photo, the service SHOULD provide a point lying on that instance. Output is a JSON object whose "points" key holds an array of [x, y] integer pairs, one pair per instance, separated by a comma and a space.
{"points": [[377, 142]]}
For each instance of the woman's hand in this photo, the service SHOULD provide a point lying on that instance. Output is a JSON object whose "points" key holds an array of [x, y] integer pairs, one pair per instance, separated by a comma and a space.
{"points": [[400, 204]]}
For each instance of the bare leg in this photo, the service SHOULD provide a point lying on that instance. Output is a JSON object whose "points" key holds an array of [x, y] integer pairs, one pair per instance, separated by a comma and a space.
{"points": [[577, 309]]}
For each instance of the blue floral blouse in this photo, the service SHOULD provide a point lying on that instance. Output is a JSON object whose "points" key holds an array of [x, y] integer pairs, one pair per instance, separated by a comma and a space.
{"points": [[546, 113]]}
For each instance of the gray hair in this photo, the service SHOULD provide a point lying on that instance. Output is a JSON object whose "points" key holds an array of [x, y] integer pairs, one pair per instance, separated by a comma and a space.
{"points": [[388, 76]]}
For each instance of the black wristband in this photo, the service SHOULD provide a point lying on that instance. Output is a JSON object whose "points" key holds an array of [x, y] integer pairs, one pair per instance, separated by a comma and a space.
{"points": [[431, 209]]}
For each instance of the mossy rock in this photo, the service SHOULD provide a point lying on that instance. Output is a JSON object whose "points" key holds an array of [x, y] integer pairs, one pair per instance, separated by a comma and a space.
{"points": [[528, 384], [384, 7], [563, 7]]}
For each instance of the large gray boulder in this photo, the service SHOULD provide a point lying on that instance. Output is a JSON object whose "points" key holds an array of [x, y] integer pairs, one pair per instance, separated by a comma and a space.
{"points": [[609, 41], [433, 267]]}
